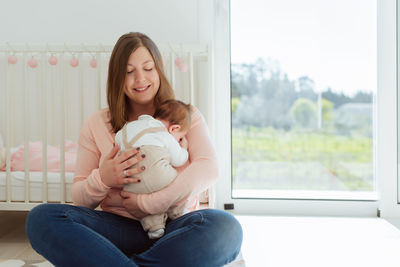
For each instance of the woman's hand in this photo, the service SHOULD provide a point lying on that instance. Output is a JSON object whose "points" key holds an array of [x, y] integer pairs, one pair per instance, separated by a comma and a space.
{"points": [[114, 170], [131, 206]]}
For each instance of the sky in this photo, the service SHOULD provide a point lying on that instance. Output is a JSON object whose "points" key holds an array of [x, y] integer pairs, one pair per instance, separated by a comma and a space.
{"points": [[332, 42]]}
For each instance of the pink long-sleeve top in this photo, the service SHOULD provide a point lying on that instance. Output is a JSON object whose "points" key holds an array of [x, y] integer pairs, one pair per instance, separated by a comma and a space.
{"points": [[96, 141]]}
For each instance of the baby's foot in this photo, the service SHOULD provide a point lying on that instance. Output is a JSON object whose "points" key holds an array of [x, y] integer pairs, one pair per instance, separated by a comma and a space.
{"points": [[156, 234]]}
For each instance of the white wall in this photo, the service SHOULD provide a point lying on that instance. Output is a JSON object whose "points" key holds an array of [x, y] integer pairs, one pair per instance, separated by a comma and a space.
{"points": [[103, 21], [93, 22]]}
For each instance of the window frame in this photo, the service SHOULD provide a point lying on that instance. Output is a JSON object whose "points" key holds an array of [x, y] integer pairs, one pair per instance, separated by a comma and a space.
{"points": [[386, 131]]}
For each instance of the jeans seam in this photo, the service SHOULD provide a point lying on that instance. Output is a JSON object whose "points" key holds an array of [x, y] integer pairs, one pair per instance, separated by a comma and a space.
{"points": [[87, 213], [190, 214], [97, 217]]}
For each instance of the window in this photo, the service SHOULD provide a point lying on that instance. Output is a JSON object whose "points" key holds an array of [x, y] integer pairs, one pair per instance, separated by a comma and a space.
{"points": [[303, 87]]}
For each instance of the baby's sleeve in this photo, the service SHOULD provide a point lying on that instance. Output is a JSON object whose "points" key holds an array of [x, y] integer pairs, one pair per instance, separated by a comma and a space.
{"points": [[201, 173], [179, 155], [118, 140]]}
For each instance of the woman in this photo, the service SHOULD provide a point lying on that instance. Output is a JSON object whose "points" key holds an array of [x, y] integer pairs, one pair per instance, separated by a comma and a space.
{"points": [[81, 236]]}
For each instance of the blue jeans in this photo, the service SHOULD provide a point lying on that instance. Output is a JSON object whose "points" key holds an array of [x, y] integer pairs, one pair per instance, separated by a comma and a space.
{"points": [[77, 236]]}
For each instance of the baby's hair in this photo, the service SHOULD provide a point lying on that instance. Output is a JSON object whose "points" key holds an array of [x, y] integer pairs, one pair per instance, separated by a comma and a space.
{"points": [[175, 112]]}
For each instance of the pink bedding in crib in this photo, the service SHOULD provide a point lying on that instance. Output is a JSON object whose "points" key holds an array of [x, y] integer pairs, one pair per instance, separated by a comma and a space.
{"points": [[35, 157]]}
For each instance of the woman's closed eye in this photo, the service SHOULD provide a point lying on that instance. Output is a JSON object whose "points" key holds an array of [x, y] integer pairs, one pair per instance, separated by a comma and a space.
{"points": [[149, 69]]}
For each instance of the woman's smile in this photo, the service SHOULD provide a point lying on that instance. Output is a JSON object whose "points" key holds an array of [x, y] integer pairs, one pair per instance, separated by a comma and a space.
{"points": [[142, 89]]}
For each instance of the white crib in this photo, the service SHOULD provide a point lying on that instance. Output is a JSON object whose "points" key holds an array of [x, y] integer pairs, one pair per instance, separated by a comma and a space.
{"points": [[49, 103]]}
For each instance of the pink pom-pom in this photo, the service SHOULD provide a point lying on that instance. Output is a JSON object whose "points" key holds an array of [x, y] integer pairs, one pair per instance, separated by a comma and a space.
{"points": [[182, 66], [12, 59], [53, 60], [93, 63], [33, 63], [74, 62]]}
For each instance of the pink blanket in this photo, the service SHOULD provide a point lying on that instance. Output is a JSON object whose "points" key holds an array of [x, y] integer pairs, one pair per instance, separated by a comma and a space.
{"points": [[53, 157]]}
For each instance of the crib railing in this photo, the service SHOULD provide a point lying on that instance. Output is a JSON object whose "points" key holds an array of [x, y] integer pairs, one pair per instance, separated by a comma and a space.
{"points": [[47, 91]]}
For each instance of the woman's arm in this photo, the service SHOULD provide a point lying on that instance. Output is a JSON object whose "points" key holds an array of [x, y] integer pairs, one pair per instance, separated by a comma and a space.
{"points": [[201, 173], [88, 189], [96, 174]]}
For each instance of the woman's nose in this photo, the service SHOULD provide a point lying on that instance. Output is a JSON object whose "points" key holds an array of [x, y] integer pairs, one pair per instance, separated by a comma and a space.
{"points": [[139, 76]]}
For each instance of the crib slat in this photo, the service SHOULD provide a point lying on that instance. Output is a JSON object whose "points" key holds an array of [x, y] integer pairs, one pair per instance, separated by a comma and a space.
{"points": [[67, 87], [42, 85], [80, 84], [9, 129], [26, 133], [210, 64], [192, 96], [53, 89], [172, 65], [62, 134], [211, 96], [98, 75]]}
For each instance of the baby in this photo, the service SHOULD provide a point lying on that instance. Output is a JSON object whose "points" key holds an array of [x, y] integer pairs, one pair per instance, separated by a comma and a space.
{"points": [[161, 139]]}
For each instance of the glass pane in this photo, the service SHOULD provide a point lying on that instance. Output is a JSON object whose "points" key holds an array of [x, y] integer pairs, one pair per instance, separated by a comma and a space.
{"points": [[303, 86]]}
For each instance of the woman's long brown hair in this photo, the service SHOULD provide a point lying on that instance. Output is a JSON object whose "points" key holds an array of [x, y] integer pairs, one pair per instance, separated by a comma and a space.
{"points": [[118, 102]]}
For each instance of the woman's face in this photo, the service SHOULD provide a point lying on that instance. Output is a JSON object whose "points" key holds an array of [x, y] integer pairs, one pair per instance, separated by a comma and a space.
{"points": [[142, 80]]}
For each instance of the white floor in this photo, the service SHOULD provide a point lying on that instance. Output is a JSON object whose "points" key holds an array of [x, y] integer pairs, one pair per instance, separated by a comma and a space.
{"points": [[319, 242]]}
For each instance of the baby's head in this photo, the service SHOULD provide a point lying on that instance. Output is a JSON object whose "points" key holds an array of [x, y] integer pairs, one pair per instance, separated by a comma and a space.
{"points": [[176, 116]]}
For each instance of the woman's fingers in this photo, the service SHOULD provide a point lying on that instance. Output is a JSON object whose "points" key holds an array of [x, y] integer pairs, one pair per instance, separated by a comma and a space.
{"points": [[132, 161], [133, 171], [107, 169], [127, 154], [132, 180]]}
